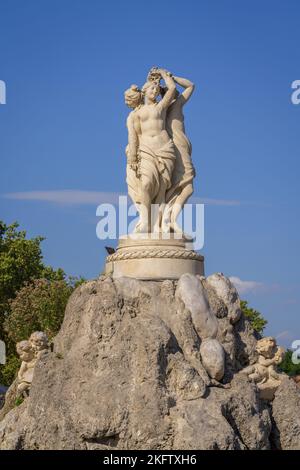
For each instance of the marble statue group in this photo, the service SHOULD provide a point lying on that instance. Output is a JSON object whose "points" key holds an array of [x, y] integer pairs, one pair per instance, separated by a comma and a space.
{"points": [[160, 176], [160, 172]]}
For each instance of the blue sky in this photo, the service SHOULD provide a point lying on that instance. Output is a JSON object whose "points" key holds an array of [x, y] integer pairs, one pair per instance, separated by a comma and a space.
{"points": [[66, 65]]}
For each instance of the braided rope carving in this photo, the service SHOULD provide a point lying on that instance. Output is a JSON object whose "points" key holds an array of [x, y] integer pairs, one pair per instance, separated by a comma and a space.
{"points": [[139, 254]]}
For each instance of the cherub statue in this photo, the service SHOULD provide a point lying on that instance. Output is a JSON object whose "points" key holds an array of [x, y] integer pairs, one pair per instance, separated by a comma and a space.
{"points": [[264, 372], [29, 351], [25, 374]]}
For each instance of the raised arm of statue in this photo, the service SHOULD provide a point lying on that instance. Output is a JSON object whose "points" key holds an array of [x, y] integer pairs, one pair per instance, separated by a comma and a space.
{"points": [[171, 89], [188, 85]]}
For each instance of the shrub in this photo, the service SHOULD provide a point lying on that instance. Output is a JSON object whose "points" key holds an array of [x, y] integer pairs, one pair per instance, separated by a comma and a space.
{"points": [[258, 322]]}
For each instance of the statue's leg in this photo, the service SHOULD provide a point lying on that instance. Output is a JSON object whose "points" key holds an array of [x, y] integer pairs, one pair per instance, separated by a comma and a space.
{"points": [[166, 218], [144, 225], [178, 205], [255, 377], [273, 374], [23, 389], [160, 200]]}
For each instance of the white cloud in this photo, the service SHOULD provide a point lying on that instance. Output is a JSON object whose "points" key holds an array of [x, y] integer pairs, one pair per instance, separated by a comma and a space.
{"points": [[75, 196], [215, 202], [245, 286], [67, 196]]}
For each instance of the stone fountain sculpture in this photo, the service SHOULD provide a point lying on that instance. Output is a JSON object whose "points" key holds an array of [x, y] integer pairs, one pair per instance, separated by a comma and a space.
{"points": [[152, 354], [160, 178]]}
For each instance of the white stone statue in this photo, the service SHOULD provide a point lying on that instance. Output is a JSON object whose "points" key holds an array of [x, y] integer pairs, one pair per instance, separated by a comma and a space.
{"points": [[264, 372], [159, 167], [184, 172], [29, 352], [25, 374], [159, 175], [39, 343]]}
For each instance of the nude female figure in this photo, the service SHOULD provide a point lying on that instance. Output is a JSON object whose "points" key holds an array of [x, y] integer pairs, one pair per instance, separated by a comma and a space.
{"points": [[150, 151]]}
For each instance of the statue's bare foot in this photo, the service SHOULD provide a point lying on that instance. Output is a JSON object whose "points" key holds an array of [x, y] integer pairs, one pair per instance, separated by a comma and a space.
{"points": [[165, 227], [176, 229], [137, 227], [142, 227]]}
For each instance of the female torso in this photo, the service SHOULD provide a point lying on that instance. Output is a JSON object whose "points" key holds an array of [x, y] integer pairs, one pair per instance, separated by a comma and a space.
{"points": [[152, 126]]}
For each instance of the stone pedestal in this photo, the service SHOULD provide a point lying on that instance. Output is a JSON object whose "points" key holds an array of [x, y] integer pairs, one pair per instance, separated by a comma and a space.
{"points": [[153, 258]]}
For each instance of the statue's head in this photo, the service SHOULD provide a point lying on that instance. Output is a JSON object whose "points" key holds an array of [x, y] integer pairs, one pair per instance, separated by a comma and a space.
{"points": [[151, 90], [38, 341], [25, 351], [266, 346], [133, 97]]}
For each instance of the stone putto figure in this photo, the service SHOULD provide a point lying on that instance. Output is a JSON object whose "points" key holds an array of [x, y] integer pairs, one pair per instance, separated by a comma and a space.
{"points": [[159, 166], [25, 374], [264, 372], [29, 352]]}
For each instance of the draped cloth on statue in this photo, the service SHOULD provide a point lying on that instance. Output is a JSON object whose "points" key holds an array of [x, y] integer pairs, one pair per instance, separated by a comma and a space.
{"points": [[156, 166], [133, 183]]}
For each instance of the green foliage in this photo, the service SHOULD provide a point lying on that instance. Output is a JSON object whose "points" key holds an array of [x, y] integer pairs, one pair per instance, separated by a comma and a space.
{"points": [[8, 371], [38, 306], [21, 262], [75, 281], [256, 319], [19, 401], [287, 365]]}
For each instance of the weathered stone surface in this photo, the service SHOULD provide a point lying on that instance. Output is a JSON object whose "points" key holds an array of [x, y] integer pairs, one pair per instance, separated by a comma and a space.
{"points": [[9, 400], [286, 415], [193, 297], [225, 419], [213, 358], [245, 343], [126, 373], [226, 292]]}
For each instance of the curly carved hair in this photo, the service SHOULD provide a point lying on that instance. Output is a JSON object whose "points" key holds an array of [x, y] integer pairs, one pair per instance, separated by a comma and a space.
{"points": [[133, 97]]}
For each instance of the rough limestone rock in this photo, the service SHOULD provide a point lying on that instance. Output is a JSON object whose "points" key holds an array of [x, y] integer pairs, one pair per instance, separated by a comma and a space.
{"points": [[126, 372], [286, 415], [213, 358], [193, 296], [9, 400], [227, 293]]}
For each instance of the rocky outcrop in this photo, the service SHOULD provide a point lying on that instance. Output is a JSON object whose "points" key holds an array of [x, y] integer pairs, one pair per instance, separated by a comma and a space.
{"points": [[131, 368], [286, 416], [9, 399]]}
